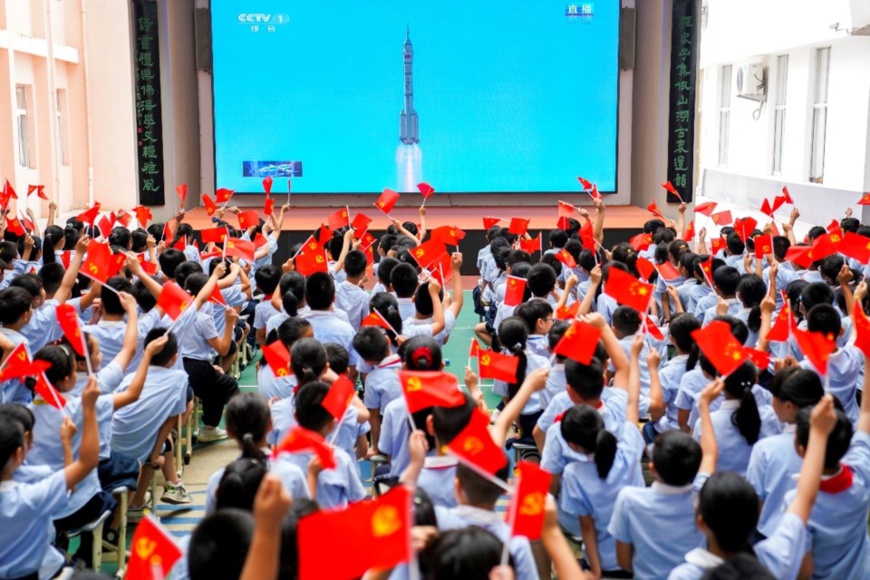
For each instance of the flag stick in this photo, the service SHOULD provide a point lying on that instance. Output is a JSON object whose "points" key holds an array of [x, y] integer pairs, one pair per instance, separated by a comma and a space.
{"points": [[289, 188], [333, 437], [100, 282], [382, 211], [86, 351]]}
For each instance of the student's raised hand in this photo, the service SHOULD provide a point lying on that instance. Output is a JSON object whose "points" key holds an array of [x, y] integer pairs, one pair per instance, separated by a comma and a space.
{"points": [[422, 211], [288, 266], [470, 379], [538, 378], [220, 270], [682, 208], [721, 307], [133, 264], [128, 303], [421, 536], [179, 217], [583, 213], [271, 504], [571, 282], [595, 319], [711, 392], [156, 345], [315, 467], [702, 235], [598, 203], [673, 293], [845, 275], [418, 447], [768, 305], [823, 418], [67, 430], [860, 292], [91, 393], [52, 206], [456, 261], [747, 261], [150, 242], [285, 208], [434, 288], [653, 358], [795, 214], [848, 212], [82, 244], [28, 241], [772, 272], [231, 316], [595, 274], [636, 346], [502, 573]]}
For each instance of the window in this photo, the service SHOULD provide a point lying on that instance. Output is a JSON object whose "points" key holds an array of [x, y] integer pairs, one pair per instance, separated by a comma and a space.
{"points": [[724, 113], [779, 111], [61, 127], [21, 122], [820, 115]]}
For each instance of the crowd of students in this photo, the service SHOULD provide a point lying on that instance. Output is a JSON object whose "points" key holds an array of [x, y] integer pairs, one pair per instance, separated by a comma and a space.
{"points": [[758, 471]]}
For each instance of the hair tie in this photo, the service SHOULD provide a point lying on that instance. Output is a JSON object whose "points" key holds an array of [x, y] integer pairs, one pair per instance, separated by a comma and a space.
{"points": [[518, 346], [422, 354], [248, 438]]}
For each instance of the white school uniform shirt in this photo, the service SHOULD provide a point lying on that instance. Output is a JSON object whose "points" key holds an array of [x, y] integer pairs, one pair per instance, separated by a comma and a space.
{"points": [[423, 326], [812, 276], [353, 300], [26, 529], [734, 450], [684, 291], [263, 312], [642, 513], [14, 390], [702, 304], [555, 385], [502, 311], [335, 487], [234, 297], [845, 370], [837, 529], [268, 385], [533, 362], [283, 419], [48, 448], [605, 305], [135, 427], [108, 379], [382, 384], [781, 553], [407, 309], [734, 306], [773, 465], [328, 327], [696, 294], [539, 345], [743, 315], [194, 343], [437, 477], [275, 321], [842, 341], [346, 432], [584, 493], [519, 547], [293, 479], [110, 335], [626, 343], [670, 376], [43, 327], [395, 431]]}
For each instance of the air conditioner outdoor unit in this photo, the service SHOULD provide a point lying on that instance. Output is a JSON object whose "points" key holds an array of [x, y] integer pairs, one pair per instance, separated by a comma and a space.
{"points": [[749, 81]]}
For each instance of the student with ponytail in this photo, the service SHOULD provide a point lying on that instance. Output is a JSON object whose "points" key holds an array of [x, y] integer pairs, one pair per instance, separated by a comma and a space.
{"points": [[739, 422], [288, 332], [248, 423], [751, 290], [774, 459], [308, 363]]}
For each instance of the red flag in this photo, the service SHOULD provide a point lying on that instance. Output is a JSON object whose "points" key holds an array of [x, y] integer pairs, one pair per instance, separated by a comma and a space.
{"points": [[425, 189], [249, 219], [374, 535], [361, 223], [706, 208], [173, 300], [497, 366], [800, 255], [689, 233], [425, 389], [566, 209], [587, 185], [778, 202], [39, 189], [105, 226], [309, 261], [388, 200], [65, 259], [518, 226], [213, 235], [68, 319], [653, 208], [763, 245], [759, 358], [375, 319], [720, 347], [338, 399], [817, 347], [181, 190], [532, 245], [566, 258], [339, 219], [668, 272], [269, 206], [514, 291], [783, 325], [14, 226], [244, 249], [563, 224], [428, 253], [448, 235], [47, 391], [7, 194], [651, 328], [223, 194], [143, 215], [528, 502], [825, 245], [267, 185], [475, 446], [579, 342], [90, 215], [488, 222], [167, 232], [260, 241], [723, 218], [474, 351], [366, 241], [278, 358], [865, 199], [669, 187], [217, 297], [744, 227], [834, 228], [717, 244], [9, 191], [787, 195], [97, 265], [323, 235], [645, 268], [594, 193], [568, 312], [210, 205], [153, 552], [855, 246], [707, 268], [628, 290], [766, 209], [640, 242], [301, 439], [862, 329], [124, 218], [587, 236], [19, 365]]}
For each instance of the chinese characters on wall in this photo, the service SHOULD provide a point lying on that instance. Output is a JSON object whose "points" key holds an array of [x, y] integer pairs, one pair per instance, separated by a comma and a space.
{"points": [[681, 126], [149, 125]]}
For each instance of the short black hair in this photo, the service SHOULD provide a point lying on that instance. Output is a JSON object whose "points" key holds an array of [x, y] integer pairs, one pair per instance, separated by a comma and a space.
{"points": [[371, 344], [355, 263], [307, 360], [51, 275], [585, 380], [30, 282], [478, 489], [838, 441], [319, 291], [626, 320], [144, 298], [814, 294], [169, 260], [162, 358], [338, 357], [676, 457], [726, 280], [532, 311], [187, 268], [557, 238], [14, 303], [423, 300], [824, 318], [403, 279], [110, 300], [385, 269], [470, 552], [267, 278], [219, 545], [447, 423], [310, 413], [541, 279]]}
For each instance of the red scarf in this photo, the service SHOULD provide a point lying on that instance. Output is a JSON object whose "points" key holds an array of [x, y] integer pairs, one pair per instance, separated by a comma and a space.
{"points": [[838, 483]]}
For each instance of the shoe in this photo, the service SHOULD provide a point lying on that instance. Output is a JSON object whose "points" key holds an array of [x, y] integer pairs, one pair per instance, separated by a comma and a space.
{"points": [[110, 539], [209, 434], [175, 494], [135, 514]]}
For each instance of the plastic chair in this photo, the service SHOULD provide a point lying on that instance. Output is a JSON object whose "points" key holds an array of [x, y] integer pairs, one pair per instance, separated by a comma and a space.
{"points": [[119, 553], [96, 528]]}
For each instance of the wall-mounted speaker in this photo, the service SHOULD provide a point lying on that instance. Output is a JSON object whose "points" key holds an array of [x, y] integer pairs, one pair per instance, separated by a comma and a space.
{"points": [[627, 37], [202, 31]]}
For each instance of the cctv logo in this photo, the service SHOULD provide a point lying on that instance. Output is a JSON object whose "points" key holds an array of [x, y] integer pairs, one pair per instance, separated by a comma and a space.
{"points": [[254, 18]]}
